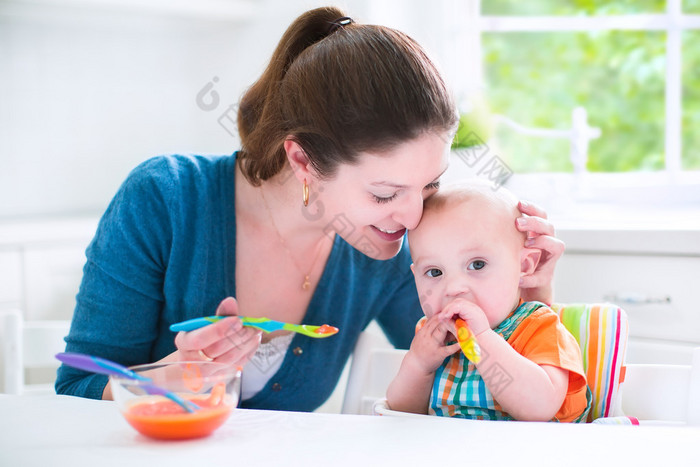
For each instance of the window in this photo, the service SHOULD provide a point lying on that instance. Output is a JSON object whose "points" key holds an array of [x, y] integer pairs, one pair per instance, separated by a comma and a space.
{"points": [[632, 65]]}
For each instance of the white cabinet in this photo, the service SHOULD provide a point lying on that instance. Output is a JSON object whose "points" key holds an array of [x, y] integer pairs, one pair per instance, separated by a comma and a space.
{"points": [[651, 274]]}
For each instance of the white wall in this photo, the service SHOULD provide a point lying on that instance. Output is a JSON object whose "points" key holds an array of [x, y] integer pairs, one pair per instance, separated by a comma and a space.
{"points": [[86, 94], [90, 88]]}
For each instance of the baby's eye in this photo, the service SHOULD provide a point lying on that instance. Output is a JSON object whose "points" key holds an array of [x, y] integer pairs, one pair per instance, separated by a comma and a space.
{"points": [[433, 272], [477, 264]]}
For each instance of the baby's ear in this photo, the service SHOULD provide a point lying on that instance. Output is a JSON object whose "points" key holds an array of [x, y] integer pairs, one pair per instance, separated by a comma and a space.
{"points": [[529, 258]]}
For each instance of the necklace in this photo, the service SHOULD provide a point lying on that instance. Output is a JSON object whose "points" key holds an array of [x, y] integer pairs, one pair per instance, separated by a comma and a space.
{"points": [[307, 283]]}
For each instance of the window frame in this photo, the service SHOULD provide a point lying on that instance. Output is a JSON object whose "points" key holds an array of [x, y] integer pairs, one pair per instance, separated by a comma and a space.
{"points": [[663, 185]]}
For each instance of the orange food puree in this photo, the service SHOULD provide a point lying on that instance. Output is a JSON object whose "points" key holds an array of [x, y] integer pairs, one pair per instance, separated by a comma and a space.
{"points": [[164, 419]]}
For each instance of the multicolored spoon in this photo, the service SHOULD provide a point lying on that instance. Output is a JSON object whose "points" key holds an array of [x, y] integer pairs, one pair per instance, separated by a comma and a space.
{"points": [[107, 367], [467, 341], [264, 324]]}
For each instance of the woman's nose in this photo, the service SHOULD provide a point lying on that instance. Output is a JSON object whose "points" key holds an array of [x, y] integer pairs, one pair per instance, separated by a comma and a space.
{"points": [[410, 212]]}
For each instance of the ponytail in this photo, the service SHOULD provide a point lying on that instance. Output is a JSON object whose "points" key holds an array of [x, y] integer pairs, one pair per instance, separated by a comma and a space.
{"points": [[260, 126]]}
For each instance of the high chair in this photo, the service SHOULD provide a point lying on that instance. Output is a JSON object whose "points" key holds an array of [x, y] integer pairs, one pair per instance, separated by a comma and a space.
{"points": [[649, 394], [629, 393], [30, 344], [374, 364], [600, 329], [663, 394], [601, 332]]}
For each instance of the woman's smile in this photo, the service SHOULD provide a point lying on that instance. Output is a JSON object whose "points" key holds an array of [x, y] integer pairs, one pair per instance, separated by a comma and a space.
{"points": [[389, 235]]}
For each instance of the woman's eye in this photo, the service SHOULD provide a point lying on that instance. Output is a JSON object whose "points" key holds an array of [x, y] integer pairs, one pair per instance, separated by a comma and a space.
{"points": [[433, 186], [433, 272], [383, 199], [477, 264]]}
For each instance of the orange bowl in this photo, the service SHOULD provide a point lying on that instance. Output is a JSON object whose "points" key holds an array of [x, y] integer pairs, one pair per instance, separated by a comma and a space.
{"points": [[213, 387]]}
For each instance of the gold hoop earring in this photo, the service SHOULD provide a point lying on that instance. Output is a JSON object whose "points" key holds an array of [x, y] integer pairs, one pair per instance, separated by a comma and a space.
{"points": [[305, 193]]}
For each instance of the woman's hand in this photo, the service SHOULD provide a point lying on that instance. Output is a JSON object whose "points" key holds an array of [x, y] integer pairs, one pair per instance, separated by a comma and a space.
{"points": [[226, 341], [540, 234]]}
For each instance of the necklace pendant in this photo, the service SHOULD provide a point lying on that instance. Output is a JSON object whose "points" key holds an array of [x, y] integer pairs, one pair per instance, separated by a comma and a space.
{"points": [[306, 283]]}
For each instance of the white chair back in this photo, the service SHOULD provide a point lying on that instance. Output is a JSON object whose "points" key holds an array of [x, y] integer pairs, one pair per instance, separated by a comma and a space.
{"points": [[27, 345], [658, 393], [374, 365]]}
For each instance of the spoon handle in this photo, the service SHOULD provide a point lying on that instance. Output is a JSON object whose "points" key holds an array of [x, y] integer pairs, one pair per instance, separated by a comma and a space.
{"points": [[467, 341], [98, 365], [264, 324], [107, 367]]}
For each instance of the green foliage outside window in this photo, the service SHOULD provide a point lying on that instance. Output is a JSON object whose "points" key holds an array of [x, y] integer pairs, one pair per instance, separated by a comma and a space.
{"points": [[618, 76], [571, 8], [691, 6], [691, 98]]}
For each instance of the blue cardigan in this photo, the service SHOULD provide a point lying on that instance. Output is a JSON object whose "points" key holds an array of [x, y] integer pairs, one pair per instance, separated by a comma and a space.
{"points": [[164, 252]]}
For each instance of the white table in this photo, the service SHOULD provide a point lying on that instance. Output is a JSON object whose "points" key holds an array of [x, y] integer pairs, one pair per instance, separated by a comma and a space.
{"points": [[59, 430]]}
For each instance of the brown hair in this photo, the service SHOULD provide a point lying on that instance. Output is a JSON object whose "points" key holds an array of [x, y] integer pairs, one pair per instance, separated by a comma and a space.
{"points": [[338, 91]]}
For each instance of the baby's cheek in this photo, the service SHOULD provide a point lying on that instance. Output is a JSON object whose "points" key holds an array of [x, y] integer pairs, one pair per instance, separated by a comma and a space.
{"points": [[429, 307]]}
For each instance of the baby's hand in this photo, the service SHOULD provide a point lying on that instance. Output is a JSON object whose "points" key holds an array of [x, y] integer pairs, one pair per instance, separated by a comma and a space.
{"points": [[469, 312], [428, 349]]}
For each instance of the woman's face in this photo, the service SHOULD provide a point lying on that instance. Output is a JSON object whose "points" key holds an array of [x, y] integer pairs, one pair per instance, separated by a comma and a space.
{"points": [[371, 204]]}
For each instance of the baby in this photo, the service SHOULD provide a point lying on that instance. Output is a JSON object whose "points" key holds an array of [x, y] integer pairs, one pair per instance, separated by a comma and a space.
{"points": [[468, 259]]}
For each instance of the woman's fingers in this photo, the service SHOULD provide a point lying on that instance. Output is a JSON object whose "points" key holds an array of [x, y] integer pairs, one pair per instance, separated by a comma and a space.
{"points": [[206, 336], [240, 353], [227, 307], [534, 226], [552, 249], [540, 235], [226, 340], [531, 209]]}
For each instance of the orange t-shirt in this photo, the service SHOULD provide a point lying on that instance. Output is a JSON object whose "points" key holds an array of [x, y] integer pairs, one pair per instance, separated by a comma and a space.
{"points": [[543, 339]]}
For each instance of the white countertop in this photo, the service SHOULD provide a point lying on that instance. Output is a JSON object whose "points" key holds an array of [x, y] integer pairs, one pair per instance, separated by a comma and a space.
{"points": [[46, 430], [630, 240], [599, 227]]}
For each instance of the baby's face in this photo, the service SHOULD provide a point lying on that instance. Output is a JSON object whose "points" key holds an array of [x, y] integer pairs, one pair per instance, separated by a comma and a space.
{"points": [[468, 250]]}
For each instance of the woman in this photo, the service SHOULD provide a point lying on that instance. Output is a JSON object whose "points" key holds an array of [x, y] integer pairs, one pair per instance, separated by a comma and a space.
{"points": [[344, 135]]}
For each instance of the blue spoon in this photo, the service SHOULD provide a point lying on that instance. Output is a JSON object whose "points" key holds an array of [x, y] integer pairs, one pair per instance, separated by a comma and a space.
{"points": [[107, 367]]}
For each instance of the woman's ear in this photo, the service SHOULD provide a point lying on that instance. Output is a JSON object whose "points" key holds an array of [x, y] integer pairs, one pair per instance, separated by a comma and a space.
{"points": [[298, 160], [529, 258]]}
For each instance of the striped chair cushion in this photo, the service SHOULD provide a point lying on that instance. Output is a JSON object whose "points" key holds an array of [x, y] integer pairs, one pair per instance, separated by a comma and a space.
{"points": [[601, 331]]}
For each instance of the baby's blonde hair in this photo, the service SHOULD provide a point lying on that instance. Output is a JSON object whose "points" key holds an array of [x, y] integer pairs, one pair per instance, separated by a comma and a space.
{"points": [[497, 199]]}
